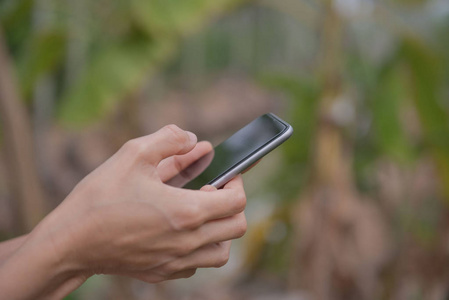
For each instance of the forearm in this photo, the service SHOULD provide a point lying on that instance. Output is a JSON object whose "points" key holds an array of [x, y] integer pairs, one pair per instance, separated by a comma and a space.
{"points": [[34, 270], [8, 247]]}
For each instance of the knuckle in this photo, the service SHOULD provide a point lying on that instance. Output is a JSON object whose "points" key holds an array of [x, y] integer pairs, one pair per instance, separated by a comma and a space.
{"points": [[185, 247], [179, 136], [241, 226], [134, 147], [240, 200], [187, 218], [171, 268], [223, 257]]}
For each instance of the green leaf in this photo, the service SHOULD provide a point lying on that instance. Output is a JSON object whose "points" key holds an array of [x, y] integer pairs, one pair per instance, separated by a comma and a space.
{"points": [[116, 71], [119, 65], [178, 17], [386, 104], [426, 81], [42, 55], [15, 18], [14, 12]]}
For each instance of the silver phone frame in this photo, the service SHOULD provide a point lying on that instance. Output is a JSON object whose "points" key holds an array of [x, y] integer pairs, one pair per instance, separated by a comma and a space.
{"points": [[245, 163]]}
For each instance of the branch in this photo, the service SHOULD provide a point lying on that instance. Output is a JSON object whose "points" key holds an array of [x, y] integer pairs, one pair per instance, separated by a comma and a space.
{"points": [[29, 206]]}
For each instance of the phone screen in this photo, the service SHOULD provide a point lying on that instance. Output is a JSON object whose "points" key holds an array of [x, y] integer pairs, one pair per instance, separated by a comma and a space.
{"points": [[230, 153]]}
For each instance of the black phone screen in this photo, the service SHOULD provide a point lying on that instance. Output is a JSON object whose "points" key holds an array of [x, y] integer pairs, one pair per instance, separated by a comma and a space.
{"points": [[229, 153]]}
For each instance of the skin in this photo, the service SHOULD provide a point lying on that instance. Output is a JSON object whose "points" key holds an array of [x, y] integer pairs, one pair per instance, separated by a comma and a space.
{"points": [[122, 219]]}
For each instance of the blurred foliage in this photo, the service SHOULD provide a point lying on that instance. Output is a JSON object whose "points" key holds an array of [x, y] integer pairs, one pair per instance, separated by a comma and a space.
{"points": [[302, 115], [43, 54], [145, 36], [426, 86], [156, 28], [386, 106], [15, 18], [105, 83], [408, 78]]}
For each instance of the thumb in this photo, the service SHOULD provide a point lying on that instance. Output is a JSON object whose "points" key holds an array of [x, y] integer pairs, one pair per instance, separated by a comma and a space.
{"points": [[208, 188], [167, 141]]}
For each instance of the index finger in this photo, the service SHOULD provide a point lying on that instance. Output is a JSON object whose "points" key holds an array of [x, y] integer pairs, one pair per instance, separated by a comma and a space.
{"points": [[226, 202], [207, 204], [235, 183]]}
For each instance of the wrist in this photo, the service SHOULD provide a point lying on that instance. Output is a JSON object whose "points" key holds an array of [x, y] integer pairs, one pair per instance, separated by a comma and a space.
{"points": [[8, 247], [43, 267], [63, 241]]}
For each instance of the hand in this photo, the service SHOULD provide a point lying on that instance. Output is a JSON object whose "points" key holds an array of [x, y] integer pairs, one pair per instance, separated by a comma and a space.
{"points": [[122, 219], [167, 169]]}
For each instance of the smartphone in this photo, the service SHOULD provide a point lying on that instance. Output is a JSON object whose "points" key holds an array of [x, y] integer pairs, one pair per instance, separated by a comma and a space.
{"points": [[236, 154]]}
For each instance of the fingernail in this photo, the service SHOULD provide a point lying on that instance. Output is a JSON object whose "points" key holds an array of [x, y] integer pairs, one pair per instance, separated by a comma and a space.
{"points": [[192, 136]]}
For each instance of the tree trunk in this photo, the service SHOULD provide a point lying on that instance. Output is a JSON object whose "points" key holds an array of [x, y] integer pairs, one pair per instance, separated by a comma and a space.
{"points": [[29, 205]]}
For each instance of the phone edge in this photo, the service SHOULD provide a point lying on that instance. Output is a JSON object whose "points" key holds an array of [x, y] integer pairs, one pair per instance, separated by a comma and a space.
{"points": [[221, 181]]}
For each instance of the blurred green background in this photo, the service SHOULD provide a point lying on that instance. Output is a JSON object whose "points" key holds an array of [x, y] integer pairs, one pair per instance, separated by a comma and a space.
{"points": [[354, 206]]}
